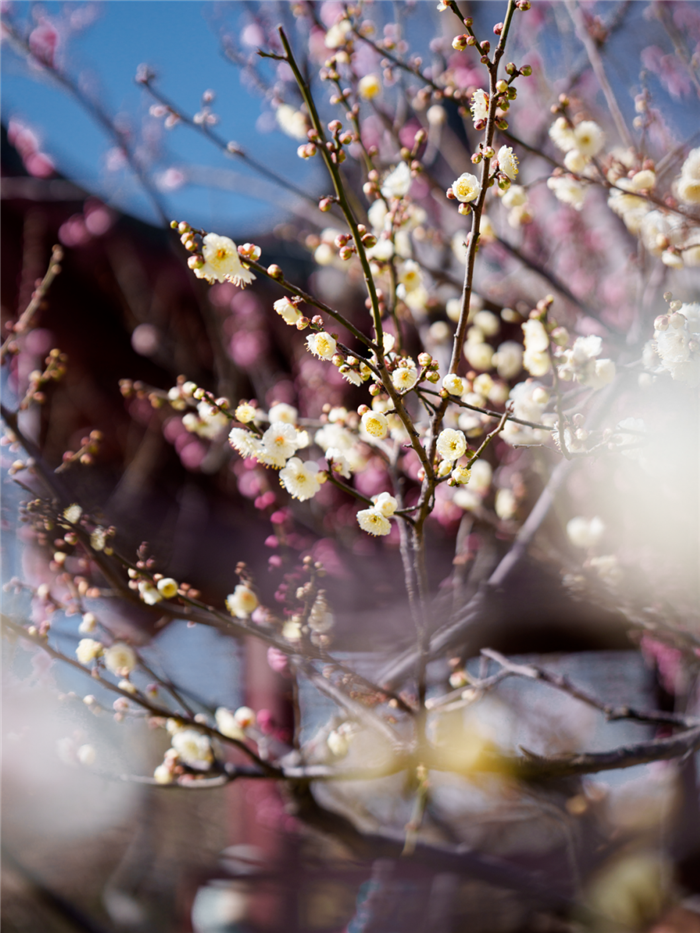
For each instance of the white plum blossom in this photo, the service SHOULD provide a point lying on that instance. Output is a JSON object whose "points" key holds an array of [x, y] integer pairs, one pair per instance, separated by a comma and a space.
{"points": [[385, 503], [453, 384], [211, 422], [193, 748], [383, 249], [461, 474], [451, 444], [120, 658], [242, 602], [375, 424], [88, 649], [88, 624], [287, 310], [245, 717], [300, 479], [480, 105], [337, 35], [580, 363], [630, 207], [576, 161], [567, 190], [292, 122], [397, 183], [505, 504], [322, 345], [149, 593], [487, 322], [369, 86], [508, 359], [163, 775], [72, 513], [373, 522], [536, 359], [688, 185], [245, 413], [404, 378], [410, 277], [528, 403], [284, 413], [336, 436], [508, 162], [478, 353], [228, 725], [584, 532], [562, 134], [246, 443], [466, 188], [222, 263], [481, 476], [588, 138], [675, 348], [280, 442], [515, 196]]}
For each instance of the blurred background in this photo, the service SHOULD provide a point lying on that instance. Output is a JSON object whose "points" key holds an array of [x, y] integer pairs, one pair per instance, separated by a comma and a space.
{"points": [[87, 162]]}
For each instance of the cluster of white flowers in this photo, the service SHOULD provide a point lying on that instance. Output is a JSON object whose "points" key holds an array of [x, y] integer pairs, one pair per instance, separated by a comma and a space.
{"points": [[529, 399], [471, 495], [515, 200], [675, 347], [339, 444], [375, 521], [585, 138], [580, 143], [209, 421], [222, 262], [672, 237], [233, 725], [581, 364], [277, 447], [567, 190]]}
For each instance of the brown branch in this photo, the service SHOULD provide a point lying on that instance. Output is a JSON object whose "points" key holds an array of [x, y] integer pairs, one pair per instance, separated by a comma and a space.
{"points": [[38, 296], [562, 683]]}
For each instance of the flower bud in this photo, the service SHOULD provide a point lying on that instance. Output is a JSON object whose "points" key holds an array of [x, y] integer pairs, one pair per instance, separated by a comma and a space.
{"points": [[275, 272], [459, 43]]}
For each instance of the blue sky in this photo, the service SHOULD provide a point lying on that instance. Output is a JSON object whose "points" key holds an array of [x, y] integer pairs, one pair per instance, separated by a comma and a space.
{"points": [[180, 40]]}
